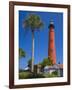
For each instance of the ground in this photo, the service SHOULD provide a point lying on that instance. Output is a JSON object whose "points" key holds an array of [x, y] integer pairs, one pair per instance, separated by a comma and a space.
{"points": [[27, 75]]}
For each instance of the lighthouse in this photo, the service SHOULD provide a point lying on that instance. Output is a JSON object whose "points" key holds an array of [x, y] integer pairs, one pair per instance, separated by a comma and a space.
{"points": [[51, 48]]}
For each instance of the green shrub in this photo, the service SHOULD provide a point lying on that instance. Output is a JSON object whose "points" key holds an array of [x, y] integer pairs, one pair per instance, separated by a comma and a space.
{"points": [[55, 72]]}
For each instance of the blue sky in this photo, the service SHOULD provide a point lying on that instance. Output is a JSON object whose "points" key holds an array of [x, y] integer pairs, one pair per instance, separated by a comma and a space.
{"points": [[41, 49]]}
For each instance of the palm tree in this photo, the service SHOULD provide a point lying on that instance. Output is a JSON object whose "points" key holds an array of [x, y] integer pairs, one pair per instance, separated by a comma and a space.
{"points": [[21, 53], [34, 23]]}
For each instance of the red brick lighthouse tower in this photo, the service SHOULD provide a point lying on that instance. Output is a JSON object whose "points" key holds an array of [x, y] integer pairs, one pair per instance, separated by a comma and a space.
{"points": [[51, 49]]}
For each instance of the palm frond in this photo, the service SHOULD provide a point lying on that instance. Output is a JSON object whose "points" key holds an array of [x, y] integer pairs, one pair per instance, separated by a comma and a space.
{"points": [[21, 53], [33, 21]]}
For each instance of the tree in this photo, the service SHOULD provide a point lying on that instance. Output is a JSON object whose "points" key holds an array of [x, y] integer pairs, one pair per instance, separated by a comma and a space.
{"points": [[47, 61], [29, 63], [34, 23], [21, 53]]}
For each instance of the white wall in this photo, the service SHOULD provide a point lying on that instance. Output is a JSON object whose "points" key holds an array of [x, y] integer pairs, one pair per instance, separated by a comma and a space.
{"points": [[4, 44]]}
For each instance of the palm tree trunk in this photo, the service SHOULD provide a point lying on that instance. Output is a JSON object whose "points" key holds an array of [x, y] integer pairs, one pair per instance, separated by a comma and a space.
{"points": [[32, 65], [38, 69]]}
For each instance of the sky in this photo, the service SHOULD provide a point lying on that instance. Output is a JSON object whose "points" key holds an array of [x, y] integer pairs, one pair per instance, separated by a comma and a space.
{"points": [[41, 37]]}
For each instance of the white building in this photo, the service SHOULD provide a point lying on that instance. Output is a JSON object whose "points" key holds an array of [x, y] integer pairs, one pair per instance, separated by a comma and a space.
{"points": [[56, 67]]}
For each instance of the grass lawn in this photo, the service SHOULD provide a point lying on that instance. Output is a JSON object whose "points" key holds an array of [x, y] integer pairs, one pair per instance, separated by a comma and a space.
{"points": [[27, 75], [24, 75], [47, 75]]}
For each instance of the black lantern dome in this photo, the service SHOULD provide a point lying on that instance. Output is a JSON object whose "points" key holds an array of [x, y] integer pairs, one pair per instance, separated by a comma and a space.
{"points": [[51, 25]]}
